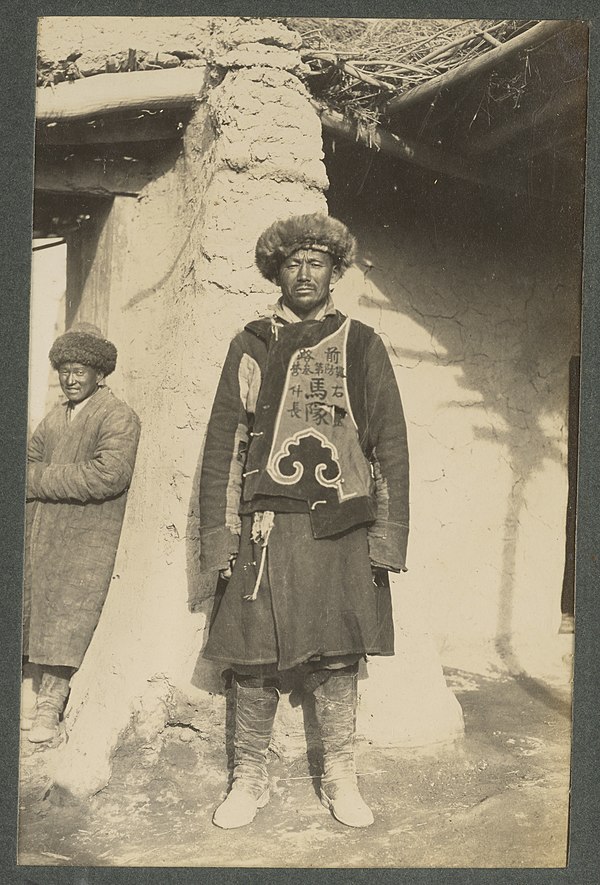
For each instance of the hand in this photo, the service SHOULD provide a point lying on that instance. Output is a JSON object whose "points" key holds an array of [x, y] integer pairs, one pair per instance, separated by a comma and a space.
{"points": [[380, 576], [227, 572]]}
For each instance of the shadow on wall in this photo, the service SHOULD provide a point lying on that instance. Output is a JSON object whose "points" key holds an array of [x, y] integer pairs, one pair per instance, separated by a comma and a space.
{"points": [[496, 286]]}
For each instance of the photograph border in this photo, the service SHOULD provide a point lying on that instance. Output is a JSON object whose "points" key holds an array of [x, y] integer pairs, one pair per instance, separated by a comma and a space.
{"points": [[17, 66]]}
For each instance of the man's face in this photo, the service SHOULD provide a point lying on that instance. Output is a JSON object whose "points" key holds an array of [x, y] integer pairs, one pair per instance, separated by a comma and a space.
{"points": [[305, 278], [78, 381]]}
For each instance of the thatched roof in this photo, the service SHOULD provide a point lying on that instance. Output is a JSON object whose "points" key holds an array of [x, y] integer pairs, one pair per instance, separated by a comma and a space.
{"points": [[353, 65], [494, 102], [357, 65]]}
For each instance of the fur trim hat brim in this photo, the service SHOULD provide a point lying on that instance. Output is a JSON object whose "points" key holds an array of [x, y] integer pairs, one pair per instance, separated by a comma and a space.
{"points": [[286, 236], [84, 344]]}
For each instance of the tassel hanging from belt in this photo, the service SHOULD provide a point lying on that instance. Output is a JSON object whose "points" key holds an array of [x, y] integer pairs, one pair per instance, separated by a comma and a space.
{"points": [[262, 523]]}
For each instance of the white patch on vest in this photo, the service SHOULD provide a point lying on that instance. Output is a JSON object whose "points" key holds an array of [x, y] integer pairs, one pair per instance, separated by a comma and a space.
{"points": [[249, 380]]}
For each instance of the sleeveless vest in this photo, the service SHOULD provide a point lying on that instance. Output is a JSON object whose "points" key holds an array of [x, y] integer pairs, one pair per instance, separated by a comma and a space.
{"points": [[305, 446]]}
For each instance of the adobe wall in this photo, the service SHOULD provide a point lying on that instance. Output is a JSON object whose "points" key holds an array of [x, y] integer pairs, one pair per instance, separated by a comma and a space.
{"points": [[73, 46], [480, 310]]}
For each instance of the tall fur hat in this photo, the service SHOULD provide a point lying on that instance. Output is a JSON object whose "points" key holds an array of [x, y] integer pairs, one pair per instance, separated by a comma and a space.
{"points": [[317, 231], [84, 343]]}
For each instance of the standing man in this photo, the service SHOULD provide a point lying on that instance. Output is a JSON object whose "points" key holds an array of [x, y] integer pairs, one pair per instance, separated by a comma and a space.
{"points": [[304, 509], [80, 464]]}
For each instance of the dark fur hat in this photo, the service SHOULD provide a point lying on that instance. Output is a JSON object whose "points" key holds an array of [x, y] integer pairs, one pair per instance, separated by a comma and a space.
{"points": [[316, 231], [85, 344]]}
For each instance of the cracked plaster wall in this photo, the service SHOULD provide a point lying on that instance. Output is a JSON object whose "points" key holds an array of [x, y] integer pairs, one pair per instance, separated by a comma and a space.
{"points": [[480, 329]]}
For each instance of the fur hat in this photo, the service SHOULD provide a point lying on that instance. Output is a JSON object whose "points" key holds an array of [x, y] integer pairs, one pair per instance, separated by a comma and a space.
{"points": [[84, 343], [316, 231]]}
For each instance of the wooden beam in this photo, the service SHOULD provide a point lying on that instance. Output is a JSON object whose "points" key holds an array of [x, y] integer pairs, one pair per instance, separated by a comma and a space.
{"points": [[101, 176], [483, 64], [108, 93], [415, 153], [144, 126]]}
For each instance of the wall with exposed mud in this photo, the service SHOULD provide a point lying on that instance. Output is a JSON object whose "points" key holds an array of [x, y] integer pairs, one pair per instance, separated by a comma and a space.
{"points": [[478, 298]]}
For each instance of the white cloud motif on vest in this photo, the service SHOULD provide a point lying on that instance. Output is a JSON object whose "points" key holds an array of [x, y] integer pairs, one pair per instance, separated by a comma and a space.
{"points": [[329, 466]]}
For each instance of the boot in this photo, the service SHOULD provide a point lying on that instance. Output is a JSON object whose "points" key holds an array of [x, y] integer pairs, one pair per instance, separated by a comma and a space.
{"points": [[255, 708], [51, 700], [336, 701]]}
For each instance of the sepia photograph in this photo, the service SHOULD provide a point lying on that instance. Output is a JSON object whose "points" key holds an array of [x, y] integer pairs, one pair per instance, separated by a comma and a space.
{"points": [[303, 425]]}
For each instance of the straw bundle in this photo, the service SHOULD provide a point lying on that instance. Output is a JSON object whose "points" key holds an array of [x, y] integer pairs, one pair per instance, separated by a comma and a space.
{"points": [[357, 65]]}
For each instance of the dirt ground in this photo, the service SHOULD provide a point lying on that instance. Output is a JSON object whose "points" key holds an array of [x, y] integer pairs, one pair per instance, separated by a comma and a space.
{"points": [[497, 799]]}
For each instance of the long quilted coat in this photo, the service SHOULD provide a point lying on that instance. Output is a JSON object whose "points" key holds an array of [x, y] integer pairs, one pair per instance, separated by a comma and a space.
{"points": [[78, 475], [316, 595]]}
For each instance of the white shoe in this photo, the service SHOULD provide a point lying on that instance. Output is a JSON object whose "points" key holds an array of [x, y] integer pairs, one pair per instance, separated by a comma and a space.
{"points": [[239, 808], [348, 806], [27, 720], [42, 734], [44, 727]]}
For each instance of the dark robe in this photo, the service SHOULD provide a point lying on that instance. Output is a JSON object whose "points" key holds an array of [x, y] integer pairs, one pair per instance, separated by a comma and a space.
{"points": [[316, 596]]}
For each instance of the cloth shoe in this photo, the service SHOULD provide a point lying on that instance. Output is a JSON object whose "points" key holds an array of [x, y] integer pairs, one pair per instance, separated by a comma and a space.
{"points": [[52, 696], [255, 709], [239, 807], [336, 702], [347, 805], [44, 727]]}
